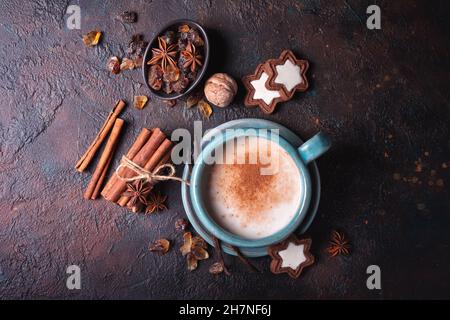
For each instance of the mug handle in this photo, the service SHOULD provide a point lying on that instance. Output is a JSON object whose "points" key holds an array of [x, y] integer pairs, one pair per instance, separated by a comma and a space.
{"points": [[314, 147]]}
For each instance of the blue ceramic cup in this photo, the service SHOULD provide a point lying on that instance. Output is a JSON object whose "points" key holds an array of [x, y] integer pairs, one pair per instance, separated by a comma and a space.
{"points": [[307, 152]]}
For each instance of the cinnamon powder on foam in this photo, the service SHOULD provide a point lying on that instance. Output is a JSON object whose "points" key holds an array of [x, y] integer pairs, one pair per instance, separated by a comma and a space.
{"points": [[247, 190]]}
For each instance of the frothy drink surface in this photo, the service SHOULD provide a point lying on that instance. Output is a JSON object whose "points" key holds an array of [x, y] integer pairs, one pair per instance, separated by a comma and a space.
{"points": [[243, 200]]}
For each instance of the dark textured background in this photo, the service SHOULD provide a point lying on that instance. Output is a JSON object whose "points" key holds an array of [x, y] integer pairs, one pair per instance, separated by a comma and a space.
{"points": [[382, 95]]}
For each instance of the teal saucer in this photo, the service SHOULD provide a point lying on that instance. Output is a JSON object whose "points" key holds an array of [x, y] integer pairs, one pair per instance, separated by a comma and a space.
{"points": [[293, 139]]}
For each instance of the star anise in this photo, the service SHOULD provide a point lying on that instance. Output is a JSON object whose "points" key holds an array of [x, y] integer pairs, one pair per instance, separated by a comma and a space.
{"points": [[137, 192], [165, 54], [191, 57], [156, 203], [338, 244]]}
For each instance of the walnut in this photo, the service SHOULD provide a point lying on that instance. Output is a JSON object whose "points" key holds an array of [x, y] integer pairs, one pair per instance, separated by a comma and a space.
{"points": [[220, 89]]}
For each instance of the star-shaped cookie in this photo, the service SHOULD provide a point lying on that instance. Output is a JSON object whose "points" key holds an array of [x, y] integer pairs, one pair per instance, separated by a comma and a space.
{"points": [[287, 73], [291, 256], [258, 93]]}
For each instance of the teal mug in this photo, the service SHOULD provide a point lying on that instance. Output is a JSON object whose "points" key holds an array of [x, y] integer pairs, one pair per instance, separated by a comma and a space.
{"points": [[307, 152]]}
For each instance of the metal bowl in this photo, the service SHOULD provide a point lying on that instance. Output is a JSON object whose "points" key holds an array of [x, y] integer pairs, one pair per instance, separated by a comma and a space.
{"points": [[154, 43]]}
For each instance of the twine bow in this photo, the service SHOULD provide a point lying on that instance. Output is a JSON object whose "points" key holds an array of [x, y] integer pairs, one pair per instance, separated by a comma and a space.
{"points": [[148, 176]]}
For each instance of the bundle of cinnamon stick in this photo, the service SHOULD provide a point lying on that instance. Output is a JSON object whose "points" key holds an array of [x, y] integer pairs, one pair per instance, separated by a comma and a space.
{"points": [[112, 125], [150, 150]]}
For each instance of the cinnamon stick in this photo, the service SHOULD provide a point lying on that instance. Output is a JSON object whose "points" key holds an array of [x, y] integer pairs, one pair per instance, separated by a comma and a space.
{"points": [[166, 158], [140, 141], [87, 157], [139, 207], [98, 188], [151, 164], [105, 158], [140, 159], [244, 260], [161, 152], [218, 248]]}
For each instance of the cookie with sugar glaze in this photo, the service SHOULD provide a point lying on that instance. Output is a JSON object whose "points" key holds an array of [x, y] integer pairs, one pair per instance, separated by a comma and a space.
{"points": [[287, 73], [258, 94], [291, 256]]}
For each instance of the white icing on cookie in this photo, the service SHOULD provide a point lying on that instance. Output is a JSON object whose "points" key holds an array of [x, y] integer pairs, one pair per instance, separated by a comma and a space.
{"points": [[261, 92], [289, 75], [293, 256]]}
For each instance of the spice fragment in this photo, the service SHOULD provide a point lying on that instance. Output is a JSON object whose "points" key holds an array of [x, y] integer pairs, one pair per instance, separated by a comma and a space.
{"points": [[194, 248], [127, 64], [191, 262], [92, 38], [139, 102], [186, 247], [171, 74], [171, 103], [421, 206], [155, 77], [128, 17], [216, 268], [113, 65], [193, 100], [181, 224], [136, 49], [199, 253], [181, 84], [183, 28], [199, 242], [204, 108], [160, 246]]}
